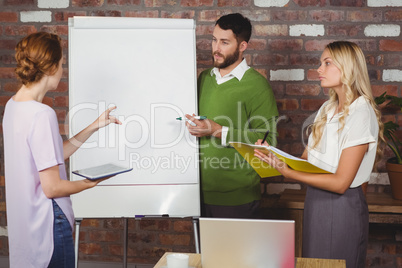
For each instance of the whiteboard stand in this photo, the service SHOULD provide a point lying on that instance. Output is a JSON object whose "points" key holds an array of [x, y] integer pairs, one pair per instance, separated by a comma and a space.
{"points": [[77, 239], [196, 243], [125, 241], [112, 61], [110, 64]]}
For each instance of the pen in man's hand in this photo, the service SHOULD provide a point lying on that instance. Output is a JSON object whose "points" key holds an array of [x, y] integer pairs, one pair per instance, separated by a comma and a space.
{"points": [[191, 122], [196, 117], [265, 137]]}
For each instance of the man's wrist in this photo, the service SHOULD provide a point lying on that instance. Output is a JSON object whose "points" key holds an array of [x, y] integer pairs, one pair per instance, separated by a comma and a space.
{"points": [[217, 131]]}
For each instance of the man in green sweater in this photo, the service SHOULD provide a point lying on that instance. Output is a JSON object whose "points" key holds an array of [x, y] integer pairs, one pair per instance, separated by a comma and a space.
{"points": [[240, 106]]}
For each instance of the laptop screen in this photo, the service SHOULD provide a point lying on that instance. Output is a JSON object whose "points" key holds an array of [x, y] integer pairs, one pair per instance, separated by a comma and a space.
{"points": [[246, 243]]}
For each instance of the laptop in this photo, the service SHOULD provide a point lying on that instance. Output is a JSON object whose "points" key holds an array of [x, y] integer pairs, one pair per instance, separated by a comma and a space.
{"points": [[246, 243]]}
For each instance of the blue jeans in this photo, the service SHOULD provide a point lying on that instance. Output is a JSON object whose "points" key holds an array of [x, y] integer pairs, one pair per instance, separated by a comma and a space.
{"points": [[63, 253]]}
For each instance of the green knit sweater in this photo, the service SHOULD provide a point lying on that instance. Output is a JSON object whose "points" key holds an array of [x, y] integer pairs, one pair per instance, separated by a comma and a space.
{"points": [[248, 109]]}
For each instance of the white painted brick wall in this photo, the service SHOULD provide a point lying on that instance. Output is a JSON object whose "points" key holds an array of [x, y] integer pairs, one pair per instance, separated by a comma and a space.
{"points": [[271, 29], [271, 3], [392, 76], [384, 3], [36, 16], [386, 30], [287, 75], [53, 3], [3, 231], [307, 30], [278, 188]]}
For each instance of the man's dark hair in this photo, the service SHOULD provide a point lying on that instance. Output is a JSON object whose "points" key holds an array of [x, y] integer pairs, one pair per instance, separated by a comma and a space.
{"points": [[240, 26]]}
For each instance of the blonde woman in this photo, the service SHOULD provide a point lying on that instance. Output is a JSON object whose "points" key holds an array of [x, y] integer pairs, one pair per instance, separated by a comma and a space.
{"points": [[39, 211], [344, 140]]}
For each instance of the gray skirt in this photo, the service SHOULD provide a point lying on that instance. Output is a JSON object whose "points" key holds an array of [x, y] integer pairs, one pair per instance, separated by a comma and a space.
{"points": [[336, 226]]}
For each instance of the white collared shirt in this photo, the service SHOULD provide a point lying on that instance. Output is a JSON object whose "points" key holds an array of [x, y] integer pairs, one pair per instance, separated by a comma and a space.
{"points": [[361, 127], [238, 72]]}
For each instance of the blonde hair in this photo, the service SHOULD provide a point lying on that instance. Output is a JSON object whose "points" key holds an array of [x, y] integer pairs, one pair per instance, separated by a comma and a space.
{"points": [[350, 60]]}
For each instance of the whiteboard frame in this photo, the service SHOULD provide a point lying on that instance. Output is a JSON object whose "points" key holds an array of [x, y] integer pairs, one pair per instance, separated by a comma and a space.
{"points": [[111, 201]]}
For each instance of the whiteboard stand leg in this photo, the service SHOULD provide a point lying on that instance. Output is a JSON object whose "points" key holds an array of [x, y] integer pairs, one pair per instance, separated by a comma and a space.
{"points": [[125, 242], [77, 239], [197, 246]]}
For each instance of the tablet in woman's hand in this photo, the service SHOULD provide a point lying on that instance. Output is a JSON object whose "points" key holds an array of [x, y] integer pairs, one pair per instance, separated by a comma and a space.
{"points": [[102, 171]]}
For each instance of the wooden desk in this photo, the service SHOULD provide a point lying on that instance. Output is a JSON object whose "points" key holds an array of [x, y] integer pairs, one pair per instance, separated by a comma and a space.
{"points": [[382, 209], [195, 261], [319, 263]]}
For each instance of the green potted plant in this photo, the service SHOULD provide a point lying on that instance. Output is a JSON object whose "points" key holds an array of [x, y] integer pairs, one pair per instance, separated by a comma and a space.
{"points": [[394, 164]]}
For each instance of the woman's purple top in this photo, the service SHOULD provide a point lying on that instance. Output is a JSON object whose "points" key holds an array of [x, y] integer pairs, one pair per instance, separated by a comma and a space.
{"points": [[32, 143]]}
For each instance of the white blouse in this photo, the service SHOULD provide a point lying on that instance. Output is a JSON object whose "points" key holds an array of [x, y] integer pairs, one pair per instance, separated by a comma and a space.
{"points": [[361, 127]]}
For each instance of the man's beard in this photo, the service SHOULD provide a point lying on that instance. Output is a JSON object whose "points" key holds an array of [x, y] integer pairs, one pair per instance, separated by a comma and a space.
{"points": [[228, 60]]}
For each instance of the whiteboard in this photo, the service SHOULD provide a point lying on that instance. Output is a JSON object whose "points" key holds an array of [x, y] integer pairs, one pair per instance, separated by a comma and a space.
{"points": [[147, 68]]}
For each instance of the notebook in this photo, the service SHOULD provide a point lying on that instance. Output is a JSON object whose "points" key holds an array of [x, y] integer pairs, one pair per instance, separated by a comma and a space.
{"points": [[246, 243], [264, 169]]}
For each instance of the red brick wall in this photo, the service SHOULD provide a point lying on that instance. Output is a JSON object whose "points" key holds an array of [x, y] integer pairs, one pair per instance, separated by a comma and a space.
{"points": [[288, 36], [148, 240]]}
